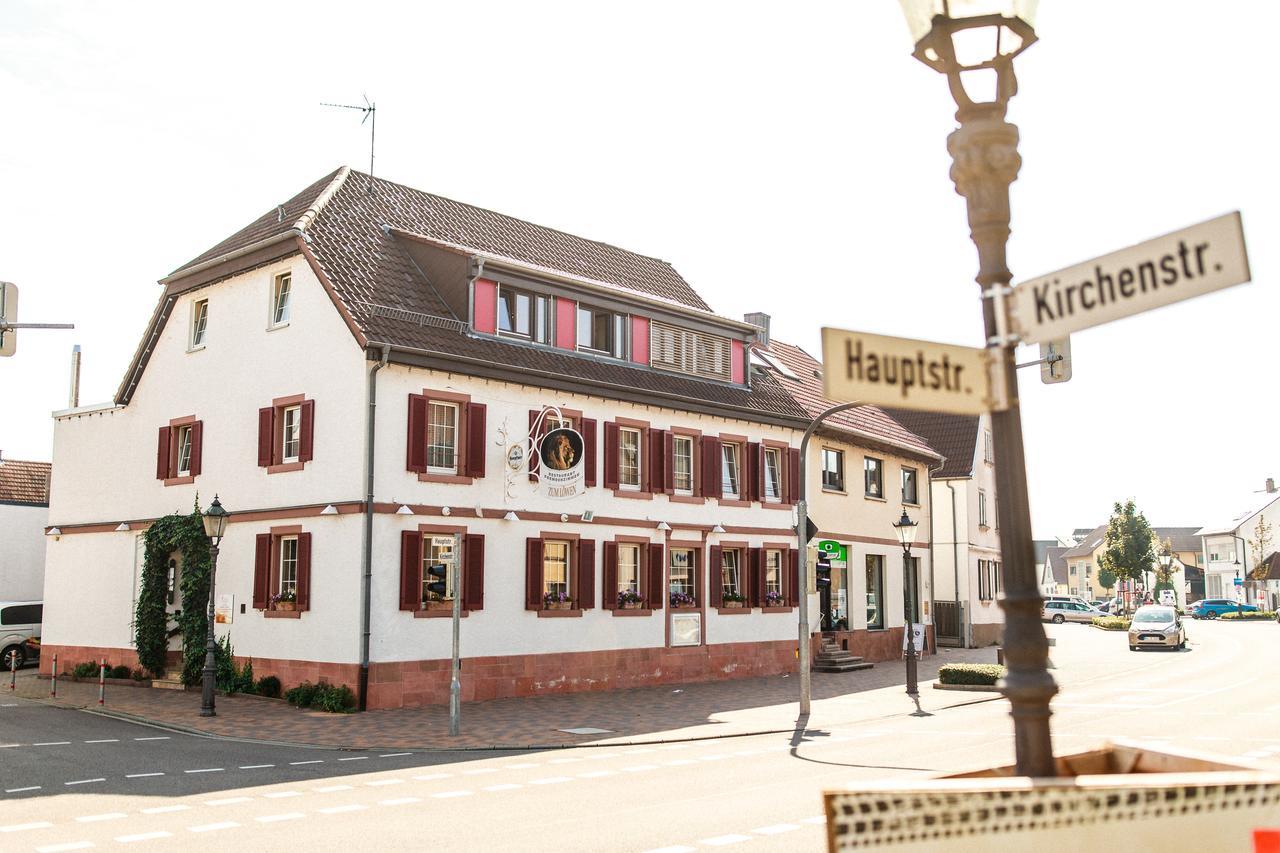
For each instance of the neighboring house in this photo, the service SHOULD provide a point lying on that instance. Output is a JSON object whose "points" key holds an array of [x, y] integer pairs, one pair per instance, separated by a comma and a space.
{"points": [[1082, 564], [256, 380], [1228, 555], [1054, 578], [24, 512], [863, 470], [966, 527], [1185, 546]]}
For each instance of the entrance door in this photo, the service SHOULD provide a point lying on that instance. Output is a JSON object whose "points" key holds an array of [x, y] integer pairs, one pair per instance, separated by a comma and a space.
{"points": [[824, 607]]}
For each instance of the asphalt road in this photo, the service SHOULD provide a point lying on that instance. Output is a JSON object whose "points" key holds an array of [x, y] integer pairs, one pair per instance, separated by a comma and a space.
{"points": [[758, 793]]}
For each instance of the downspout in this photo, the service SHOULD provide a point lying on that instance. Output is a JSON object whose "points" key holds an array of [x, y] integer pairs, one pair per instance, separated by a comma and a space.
{"points": [[362, 694], [967, 617], [933, 587]]}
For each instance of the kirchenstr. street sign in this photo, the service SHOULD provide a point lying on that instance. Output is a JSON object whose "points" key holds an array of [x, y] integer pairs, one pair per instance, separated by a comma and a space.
{"points": [[1196, 260], [909, 374]]}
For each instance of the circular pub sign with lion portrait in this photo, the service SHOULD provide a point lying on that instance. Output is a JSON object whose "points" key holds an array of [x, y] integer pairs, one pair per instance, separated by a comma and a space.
{"points": [[560, 457]]}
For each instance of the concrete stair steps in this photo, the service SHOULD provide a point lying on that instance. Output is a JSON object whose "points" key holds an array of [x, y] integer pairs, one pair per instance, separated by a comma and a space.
{"points": [[842, 666], [168, 683]]}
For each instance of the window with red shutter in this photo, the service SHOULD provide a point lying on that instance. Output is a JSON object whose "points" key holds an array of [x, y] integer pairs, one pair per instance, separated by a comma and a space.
{"points": [[755, 577], [753, 487], [655, 591], [410, 570], [791, 559], [712, 462], [476, 444], [306, 441], [655, 471], [416, 448], [589, 451], [473, 569], [610, 455], [262, 571], [793, 474], [585, 594], [303, 587], [533, 574], [266, 436], [715, 579], [197, 448], [609, 577], [668, 480], [162, 455]]}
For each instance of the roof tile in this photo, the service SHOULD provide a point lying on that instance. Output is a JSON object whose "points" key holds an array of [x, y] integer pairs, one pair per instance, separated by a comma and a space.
{"points": [[24, 482]]}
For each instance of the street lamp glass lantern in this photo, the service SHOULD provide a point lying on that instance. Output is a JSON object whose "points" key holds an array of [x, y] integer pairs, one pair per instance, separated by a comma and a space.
{"points": [[964, 35], [215, 520], [906, 529]]}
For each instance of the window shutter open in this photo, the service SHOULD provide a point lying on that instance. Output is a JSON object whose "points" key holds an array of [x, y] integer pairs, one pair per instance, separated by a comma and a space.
{"points": [[416, 445], [715, 578], [304, 571], [197, 446], [306, 441], [410, 570], [589, 451], [655, 471], [793, 474], [586, 594], [534, 448], [262, 571], [753, 485], [533, 574], [476, 413], [756, 582], [656, 592], [791, 559], [611, 455], [473, 568], [668, 463], [266, 435], [609, 577], [162, 454], [711, 462]]}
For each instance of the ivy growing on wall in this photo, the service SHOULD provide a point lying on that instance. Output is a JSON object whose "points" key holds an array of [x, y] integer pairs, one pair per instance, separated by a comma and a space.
{"points": [[184, 534]]}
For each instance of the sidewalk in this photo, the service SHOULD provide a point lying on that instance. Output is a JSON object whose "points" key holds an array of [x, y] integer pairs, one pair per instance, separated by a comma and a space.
{"points": [[705, 710]]}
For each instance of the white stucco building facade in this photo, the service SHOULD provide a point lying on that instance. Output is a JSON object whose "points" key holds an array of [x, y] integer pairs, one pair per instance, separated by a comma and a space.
{"points": [[24, 513]]}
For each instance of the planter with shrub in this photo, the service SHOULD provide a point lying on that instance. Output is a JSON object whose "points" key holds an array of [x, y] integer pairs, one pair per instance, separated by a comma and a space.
{"points": [[979, 675], [1249, 616], [1111, 623], [336, 699]]}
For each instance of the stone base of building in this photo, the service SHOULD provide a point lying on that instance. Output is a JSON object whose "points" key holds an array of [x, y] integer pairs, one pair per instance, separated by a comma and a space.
{"points": [[879, 646], [69, 656], [987, 634]]}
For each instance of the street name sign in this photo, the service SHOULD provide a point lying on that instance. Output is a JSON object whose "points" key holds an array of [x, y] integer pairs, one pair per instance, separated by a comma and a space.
{"points": [[1196, 260], [909, 374]]}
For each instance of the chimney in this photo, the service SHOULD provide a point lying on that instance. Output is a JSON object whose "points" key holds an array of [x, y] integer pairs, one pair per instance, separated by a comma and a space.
{"points": [[761, 322], [1271, 485], [75, 377]]}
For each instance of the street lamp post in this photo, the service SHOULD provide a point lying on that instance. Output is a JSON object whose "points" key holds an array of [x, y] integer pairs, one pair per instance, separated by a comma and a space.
{"points": [[906, 530], [973, 42], [215, 525], [1166, 560]]}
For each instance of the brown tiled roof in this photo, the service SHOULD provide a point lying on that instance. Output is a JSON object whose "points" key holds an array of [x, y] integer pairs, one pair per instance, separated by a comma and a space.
{"points": [[1088, 544], [1053, 560], [1182, 538], [24, 482], [954, 436], [806, 389], [1273, 566]]}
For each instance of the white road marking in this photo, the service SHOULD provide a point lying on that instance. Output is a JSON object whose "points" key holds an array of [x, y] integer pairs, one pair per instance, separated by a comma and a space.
{"points": [[332, 788], [637, 751], [1207, 738], [166, 809], [722, 840], [443, 795], [395, 754], [564, 760], [22, 827], [70, 845], [143, 836], [479, 771], [280, 795], [677, 849], [376, 783], [252, 766], [162, 737], [105, 740], [747, 752], [431, 777], [20, 790], [597, 774], [716, 757], [639, 768], [776, 829], [400, 801], [350, 807], [276, 818], [312, 761], [549, 780], [213, 827], [93, 818], [142, 775], [53, 743], [506, 786], [516, 767], [681, 762], [228, 801], [355, 758], [85, 781], [205, 770], [9, 745]]}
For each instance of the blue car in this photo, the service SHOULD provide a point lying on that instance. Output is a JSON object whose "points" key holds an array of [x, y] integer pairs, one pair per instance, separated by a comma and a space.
{"points": [[1212, 608]]}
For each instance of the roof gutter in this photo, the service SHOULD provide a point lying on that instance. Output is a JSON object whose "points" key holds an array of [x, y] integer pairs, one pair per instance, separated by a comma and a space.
{"points": [[185, 272]]}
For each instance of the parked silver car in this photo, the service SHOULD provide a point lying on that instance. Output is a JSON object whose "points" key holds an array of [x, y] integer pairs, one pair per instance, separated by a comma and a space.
{"points": [[1059, 611], [1156, 627], [19, 624]]}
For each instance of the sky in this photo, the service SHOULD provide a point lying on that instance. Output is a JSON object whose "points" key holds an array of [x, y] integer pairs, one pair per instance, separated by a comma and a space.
{"points": [[786, 158]]}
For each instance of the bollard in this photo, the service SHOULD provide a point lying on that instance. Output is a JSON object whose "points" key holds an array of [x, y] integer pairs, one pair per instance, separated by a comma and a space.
{"points": [[102, 683], [13, 672], [53, 682]]}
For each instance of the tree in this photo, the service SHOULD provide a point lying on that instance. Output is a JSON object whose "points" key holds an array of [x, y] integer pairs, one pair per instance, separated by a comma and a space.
{"points": [[1129, 549], [1260, 545], [1106, 579], [1164, 574]]}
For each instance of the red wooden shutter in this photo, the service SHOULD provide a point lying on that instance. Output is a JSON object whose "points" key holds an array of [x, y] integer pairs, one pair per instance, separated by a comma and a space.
{"points": [[792, 474], [476, 439], [609, 577], [416, 445], [610, 455], [753, 468], [266, 436], [655, 471], [712, 482], [698, 594], [696, 464], [162, 455], [533, 574], [791, 559], [668, 463], [657, 592], [197, 445], [410, 570], [306, 441], [262, 571], [756, 582], [589, 451], [715, 577], [534, 448], [473, 567], [586, 593], [304, 571]]}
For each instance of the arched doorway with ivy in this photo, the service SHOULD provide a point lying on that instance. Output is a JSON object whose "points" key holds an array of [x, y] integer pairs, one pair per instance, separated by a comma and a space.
{"points": [[179, 539]]}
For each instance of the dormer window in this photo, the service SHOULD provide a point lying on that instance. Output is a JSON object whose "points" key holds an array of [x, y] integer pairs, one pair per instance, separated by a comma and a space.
{"points": [[602, 331], [524, 315]]}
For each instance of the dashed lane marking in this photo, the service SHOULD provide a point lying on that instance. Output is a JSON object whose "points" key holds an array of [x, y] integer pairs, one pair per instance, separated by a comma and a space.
{"points": [[312, 761], [445, 795], [142, 775], [355, 758], [9, 745], [597, 774], [776, 829], [525, 766], [377, 783], [205, 770], [228, 801], [400, 801], [20, 790], [479, 771], [280, 795], [506, 786], [724, 840], [94, 818], [105, 740], [431, 777], [143, 836], [214, 827], [85, 781], [158, 737], [22, 827], [395, 754], [550, 780], [53, 743], [329, 789], [70, 845], [252, 766], [166, 809], [276, 818], [350, 807]]}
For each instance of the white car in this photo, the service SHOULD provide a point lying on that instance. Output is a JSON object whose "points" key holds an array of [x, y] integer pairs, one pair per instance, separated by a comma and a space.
{"points": [[1058, 612], [1167, 598]]}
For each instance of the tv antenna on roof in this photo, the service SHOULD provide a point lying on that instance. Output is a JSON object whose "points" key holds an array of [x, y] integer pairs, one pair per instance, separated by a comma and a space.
{"points": [[370, 111]]}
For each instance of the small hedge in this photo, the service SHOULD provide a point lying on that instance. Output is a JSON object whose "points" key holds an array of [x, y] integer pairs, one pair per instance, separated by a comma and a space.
{"points": [[120, 671], [970, 673], [1256, 614], [1111, 623], [322, 697], [269, 686], [88, 669]]}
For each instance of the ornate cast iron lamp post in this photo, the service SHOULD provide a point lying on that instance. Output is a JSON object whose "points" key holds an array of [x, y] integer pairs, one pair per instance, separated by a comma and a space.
{"points": [[215, 525], [906, 530]]}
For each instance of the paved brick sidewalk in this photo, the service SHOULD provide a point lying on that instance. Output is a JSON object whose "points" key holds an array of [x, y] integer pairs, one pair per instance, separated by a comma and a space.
{"points": [[703, 710]]}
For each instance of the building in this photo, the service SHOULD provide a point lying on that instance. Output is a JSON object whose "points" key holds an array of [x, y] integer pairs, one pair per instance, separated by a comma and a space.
{"points": [[24, 512], [377, 381], [1082, 565], [1054, 579], [863, 608], [1229, 552], [966, 526]]}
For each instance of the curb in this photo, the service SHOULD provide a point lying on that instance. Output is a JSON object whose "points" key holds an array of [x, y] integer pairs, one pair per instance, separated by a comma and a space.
{"points": [[974, 688]]}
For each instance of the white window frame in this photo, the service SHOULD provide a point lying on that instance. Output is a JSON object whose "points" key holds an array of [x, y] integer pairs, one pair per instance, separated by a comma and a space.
{"points": [[287, 566], [875, 568], [433, 428], [184, 451], [731, 461], [199, 325], [291, 433], [628, 568], [988, 448], [731, 571], [281, 300], [866, 477], [915, 483], [838, 471], [630, 479], [438, 553], [685, 581], [773, 571], [548, 561], [982, 508], [516, 293], [773, 483], [676, 442], [619, 331]]}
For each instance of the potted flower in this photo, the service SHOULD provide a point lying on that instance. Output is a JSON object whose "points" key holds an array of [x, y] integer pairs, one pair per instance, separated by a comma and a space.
{"points": [[434, 601], [682, 599], [732, 599], [630, 600], [286, 601], [556, 601], [773, 599]]}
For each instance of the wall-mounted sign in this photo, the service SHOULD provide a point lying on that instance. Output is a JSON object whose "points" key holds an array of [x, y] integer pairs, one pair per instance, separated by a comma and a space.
{"points": [[515, 457], [224, 608], [837, 554]]}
